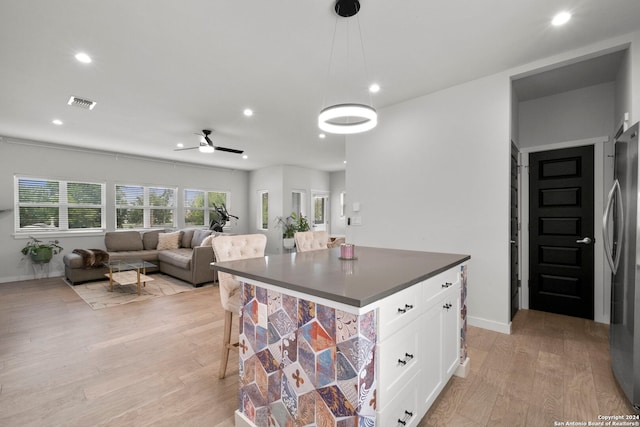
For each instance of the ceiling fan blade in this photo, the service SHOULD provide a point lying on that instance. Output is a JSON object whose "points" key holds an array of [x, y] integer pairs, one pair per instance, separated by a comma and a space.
{"points": [[229, 150], [182, 149]]}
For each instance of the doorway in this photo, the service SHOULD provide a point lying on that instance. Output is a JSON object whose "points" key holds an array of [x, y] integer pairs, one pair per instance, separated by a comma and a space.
{"points": [[561, 231], [320, 211]]}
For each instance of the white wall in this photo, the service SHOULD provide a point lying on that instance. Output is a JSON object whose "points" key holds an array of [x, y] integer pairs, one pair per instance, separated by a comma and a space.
{"points": [[569, 116], [622, 98], [30, 158], [269, 179], [280, 181], [338, 185], [434, 176]]}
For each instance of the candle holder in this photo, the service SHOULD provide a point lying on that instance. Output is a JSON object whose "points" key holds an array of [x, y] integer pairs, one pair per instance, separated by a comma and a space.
{"points": [[347, 251]]}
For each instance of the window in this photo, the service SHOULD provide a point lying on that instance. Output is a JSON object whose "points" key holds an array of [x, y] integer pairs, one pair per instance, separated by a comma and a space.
{"points": [[319, 210], [263, 221], [58, 205], [199, 206], [145, 207]]}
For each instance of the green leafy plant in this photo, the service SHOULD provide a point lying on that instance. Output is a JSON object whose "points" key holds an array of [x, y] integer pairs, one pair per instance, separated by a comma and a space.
{"points": [[39, 251], [291, 224], [301, 222]]}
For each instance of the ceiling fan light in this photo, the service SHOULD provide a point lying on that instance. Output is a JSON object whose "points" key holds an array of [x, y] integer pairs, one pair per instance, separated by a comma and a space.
{"points": [[347, 118], [206, 148]]}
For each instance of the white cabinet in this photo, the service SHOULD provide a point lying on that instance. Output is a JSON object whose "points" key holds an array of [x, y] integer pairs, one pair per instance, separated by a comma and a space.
{"points": [[418, 348], [441, 341]]}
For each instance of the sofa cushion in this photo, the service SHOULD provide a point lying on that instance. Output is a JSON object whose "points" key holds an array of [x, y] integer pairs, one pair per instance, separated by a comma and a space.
{"points": [[123, 241], [147, 255], [187, 236], [150, 239], [199, 236], [169, 240], [179, 257]]}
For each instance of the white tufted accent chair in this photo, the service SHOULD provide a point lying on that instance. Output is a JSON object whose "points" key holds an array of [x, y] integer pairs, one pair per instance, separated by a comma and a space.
{"points": [[231, 248], [311, 240]]}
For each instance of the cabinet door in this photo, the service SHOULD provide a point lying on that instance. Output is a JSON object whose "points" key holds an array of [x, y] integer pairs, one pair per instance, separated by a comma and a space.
{"points": [[451, 331], [431, 330], [399, 359]]}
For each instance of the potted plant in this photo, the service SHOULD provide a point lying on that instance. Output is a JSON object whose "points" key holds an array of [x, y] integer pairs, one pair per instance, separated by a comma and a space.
{"points": [[41, 252], [290, 225], [301, 222]]}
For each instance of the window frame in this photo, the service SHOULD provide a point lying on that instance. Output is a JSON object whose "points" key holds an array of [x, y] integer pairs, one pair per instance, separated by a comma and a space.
{"points": [[261, 210], [206, 208], [146, 207], [62, 205]]}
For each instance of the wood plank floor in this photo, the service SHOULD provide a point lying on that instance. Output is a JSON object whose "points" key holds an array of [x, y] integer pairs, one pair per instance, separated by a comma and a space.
{"points": [[155, 363]]}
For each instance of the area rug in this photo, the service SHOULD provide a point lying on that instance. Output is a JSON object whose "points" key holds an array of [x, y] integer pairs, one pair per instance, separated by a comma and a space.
{"points": [[97, 294]]}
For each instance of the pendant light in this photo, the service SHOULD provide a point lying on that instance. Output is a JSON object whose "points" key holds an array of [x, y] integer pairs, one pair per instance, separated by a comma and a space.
{"points": [[347, 117]]}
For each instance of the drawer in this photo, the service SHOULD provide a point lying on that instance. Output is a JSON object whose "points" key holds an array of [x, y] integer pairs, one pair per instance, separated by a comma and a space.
{"points": [[404, 409], [398, 310], [434, 286], [399, 359]]}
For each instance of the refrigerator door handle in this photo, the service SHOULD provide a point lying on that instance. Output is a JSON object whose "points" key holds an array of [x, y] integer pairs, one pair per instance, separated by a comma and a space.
{"points": [[608, 244], [620, 223]]}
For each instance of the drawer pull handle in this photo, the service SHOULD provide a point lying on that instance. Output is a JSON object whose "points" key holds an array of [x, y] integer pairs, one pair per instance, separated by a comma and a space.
{"points": [[407, 357], [406, 308], [407, 417]]}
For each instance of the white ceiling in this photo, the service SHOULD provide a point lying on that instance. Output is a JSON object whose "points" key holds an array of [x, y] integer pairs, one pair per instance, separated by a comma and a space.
{"points": [[164, 69]]}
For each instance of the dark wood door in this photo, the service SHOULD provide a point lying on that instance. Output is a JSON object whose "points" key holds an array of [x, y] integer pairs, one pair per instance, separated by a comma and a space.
{"points": [[514, 279], [561, 231]]}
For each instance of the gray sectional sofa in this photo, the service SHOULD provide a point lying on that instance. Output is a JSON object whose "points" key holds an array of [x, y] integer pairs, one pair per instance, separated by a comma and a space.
{"points": [[190, 261]]}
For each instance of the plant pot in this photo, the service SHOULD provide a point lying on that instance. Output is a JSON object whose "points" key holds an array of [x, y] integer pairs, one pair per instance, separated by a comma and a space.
{"points": [[41, 255], [288, 243]]}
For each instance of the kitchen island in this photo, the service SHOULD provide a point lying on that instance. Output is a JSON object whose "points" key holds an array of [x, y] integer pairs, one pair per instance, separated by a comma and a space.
{"points": [[364, 342]]}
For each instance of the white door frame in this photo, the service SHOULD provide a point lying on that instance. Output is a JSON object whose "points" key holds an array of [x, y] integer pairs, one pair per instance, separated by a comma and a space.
{"points": [[602, 179]]}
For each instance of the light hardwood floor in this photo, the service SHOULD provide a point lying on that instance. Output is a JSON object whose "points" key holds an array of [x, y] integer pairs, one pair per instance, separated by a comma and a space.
{"points": [[155, 363]]}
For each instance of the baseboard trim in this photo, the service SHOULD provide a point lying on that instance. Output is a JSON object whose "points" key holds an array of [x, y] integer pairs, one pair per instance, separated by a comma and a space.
{"points": [[492, 325], [463, 369], [242, 421], [52, 274]]}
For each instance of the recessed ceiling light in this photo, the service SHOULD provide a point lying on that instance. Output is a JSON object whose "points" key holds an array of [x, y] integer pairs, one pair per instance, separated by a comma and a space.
{"points": [[179, 145], [245, 157], [57, 122], [345, 162], [561, 18], [248, 112], [374, 88], [322, 136], [83, 57]]}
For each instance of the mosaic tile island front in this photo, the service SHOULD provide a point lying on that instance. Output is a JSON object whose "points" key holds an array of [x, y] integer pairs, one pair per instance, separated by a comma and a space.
{"points": [[309, 361]]}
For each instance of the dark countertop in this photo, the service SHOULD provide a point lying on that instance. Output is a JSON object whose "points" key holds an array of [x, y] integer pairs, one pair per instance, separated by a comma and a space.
{"points": [[375, 274]]}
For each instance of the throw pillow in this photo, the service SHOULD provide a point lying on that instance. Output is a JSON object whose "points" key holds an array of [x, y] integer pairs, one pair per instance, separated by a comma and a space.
{"points": [[208, 241], [187, 235], [169, 240], [198, 237]]}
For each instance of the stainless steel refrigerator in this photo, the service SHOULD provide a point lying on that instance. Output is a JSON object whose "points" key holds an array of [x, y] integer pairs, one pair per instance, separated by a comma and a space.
{"points": [[622, 250]]}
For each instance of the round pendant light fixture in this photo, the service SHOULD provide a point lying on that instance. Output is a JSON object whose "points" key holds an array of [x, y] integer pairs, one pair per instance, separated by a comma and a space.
{"points": [[347, 117]]}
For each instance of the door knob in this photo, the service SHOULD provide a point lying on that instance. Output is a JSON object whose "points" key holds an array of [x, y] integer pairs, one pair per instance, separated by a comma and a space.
{"points": [[586, 241]]}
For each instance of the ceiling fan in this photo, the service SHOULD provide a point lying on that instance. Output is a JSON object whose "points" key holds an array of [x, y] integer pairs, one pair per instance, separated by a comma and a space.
{"points": [[206, 145]]}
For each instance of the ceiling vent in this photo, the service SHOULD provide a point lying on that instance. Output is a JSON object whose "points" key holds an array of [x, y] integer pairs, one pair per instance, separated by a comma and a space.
{"points": [[82, 103]]}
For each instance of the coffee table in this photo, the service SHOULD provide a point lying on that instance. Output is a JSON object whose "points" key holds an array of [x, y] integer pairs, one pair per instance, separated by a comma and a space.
{"points": [[128, 272]]}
